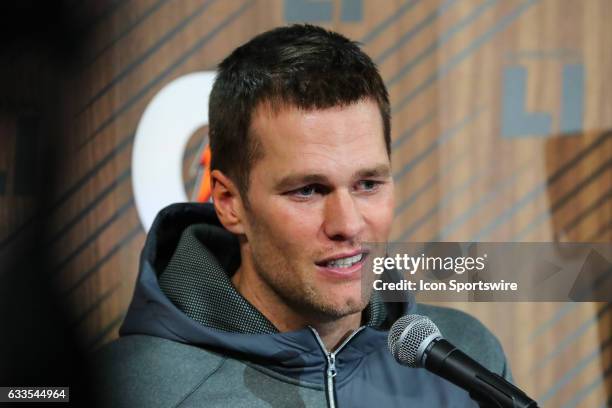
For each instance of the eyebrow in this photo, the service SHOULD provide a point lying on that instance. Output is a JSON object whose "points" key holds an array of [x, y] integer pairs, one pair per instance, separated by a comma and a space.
{"points": [[379, 171], [382, 170]]}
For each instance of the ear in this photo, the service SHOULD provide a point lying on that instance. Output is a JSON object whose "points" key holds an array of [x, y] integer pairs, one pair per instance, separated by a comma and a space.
{"points": [[227, 201]]}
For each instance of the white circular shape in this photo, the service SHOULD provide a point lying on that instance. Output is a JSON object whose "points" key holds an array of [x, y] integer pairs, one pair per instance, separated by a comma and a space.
{"points": [[174, 113]]}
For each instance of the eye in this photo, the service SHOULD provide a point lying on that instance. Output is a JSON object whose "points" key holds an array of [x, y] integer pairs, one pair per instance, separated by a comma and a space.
{"points": [[306, 192], [368, 185]]}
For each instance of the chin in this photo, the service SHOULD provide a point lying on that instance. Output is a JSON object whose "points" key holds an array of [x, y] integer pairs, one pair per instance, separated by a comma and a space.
{"points": [[346, 307]]}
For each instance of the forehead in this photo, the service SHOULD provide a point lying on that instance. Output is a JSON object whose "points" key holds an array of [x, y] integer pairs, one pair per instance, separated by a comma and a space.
{"points": [[282, 129]]}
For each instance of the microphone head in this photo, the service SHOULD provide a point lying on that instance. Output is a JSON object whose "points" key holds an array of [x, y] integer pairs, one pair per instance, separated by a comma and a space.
{"points": [[409, 337]]}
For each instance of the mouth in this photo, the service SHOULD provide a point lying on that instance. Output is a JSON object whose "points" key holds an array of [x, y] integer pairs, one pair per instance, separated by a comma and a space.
{"points": [[344, 266]]}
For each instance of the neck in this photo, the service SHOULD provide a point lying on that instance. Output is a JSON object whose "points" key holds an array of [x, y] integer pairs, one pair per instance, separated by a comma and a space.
{"points": [[285, 318]]}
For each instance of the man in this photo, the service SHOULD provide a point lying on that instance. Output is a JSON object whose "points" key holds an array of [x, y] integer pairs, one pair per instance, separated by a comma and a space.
{"points": [[258, 300]]}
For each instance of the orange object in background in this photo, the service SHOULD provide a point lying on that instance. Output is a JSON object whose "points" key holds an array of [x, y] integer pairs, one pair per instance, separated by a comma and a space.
{"points": [[204, 187]]}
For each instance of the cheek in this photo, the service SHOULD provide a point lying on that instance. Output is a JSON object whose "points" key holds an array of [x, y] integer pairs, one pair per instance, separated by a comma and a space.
{"points": [[381, 217], [289, 224]]}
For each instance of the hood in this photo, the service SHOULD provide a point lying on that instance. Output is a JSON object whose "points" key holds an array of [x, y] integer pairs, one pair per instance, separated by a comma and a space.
{"points": [[184, 293]]}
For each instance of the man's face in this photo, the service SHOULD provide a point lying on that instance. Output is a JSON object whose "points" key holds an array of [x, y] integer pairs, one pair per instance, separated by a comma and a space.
{"points": [[322, 189]]}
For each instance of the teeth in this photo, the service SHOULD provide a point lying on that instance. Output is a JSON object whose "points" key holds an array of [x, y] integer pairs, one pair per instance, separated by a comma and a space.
{"points": [[345, 262]]}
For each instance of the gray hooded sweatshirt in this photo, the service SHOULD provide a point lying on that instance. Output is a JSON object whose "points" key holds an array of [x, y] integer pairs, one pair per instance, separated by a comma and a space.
{"points": [[190, 339]]}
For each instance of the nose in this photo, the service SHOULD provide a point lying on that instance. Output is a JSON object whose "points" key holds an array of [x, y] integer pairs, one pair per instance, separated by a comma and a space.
{"points": [[343, 219]]}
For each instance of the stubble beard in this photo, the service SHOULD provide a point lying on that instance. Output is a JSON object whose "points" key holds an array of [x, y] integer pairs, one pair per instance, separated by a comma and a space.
{"points": [[300, 295]]}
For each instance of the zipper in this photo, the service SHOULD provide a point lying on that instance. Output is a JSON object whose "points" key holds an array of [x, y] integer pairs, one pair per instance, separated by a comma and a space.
{"points": [[331, 371]]}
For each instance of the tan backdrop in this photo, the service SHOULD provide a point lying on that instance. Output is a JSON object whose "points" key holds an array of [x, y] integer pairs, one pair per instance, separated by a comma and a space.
{"points": [[502, 116]]}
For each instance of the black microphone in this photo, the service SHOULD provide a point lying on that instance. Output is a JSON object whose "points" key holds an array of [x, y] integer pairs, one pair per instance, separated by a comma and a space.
{"points": [[415, 341]]}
